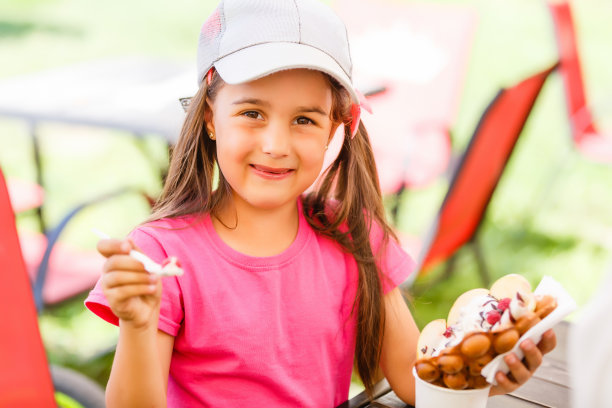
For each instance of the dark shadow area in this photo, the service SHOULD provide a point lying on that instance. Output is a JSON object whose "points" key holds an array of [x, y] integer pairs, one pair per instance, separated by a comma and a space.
{"points": [[519, 238], [15, 29]]}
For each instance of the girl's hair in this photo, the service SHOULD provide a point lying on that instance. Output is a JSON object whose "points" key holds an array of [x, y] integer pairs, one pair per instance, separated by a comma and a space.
{"points": [[350, 183]]}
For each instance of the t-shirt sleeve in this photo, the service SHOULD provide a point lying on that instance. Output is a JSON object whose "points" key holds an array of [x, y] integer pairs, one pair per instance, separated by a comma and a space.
{"points": [[171, 310], [395, 264]]}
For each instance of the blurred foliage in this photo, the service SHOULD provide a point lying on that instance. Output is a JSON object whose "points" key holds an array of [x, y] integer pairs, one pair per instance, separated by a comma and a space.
{"points": [[549, 216], [73, 339]]}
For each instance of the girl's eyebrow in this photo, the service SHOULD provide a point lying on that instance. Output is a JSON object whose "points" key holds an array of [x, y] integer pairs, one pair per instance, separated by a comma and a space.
{"points": [[314, 109], [251, 101]]}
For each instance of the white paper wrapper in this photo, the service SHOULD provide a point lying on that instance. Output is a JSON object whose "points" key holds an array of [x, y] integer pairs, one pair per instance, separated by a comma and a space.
{"points": [[565, 306]]}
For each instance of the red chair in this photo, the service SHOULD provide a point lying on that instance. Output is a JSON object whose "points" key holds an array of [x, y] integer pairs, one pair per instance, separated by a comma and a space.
{"points": [[58, 271], [477, 175], [587, 139]]}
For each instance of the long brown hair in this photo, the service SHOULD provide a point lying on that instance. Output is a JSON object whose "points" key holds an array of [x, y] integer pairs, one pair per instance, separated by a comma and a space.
{"points": [[351, 181]]}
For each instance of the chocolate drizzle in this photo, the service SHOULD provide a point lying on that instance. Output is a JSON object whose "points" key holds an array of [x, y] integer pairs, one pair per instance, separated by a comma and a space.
{"points": [[489, 301]]}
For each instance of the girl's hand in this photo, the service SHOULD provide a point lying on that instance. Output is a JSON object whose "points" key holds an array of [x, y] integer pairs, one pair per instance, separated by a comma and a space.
{"points": [[132, 293], [521, 371]]}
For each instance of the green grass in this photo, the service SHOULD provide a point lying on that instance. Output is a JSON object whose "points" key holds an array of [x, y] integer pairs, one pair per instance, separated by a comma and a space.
{"points": [[564, 230]]}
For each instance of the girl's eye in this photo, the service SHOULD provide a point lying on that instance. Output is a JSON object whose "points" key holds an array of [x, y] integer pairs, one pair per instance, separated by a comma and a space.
{"points": [[302, 120], [252, 114]]}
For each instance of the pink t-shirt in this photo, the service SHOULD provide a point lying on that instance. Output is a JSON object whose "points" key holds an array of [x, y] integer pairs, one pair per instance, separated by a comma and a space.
{"points": [[257, 331]]}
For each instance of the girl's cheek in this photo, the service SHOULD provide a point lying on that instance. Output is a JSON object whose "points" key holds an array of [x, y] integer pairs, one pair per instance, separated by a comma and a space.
{"points": [[235, 142], [313, 160], [314, 149]]}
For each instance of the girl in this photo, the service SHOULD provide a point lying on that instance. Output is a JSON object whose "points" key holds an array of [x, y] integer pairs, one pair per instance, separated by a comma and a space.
{"points": [[283, 292]]}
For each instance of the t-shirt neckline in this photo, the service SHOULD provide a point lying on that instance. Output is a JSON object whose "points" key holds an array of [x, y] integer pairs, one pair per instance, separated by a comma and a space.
{"points": [[264, 262]]}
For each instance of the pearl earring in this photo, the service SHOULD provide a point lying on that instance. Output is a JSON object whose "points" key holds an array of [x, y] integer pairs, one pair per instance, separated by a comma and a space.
{"points": [[211, 135]]}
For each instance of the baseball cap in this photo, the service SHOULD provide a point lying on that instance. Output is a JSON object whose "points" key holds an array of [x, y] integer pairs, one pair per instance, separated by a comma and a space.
{"points": [[248, 39]]}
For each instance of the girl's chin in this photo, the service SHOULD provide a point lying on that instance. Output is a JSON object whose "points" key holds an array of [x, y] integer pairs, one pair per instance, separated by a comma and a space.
{"points": [[266, 199], [269, 195], [271, 203]]}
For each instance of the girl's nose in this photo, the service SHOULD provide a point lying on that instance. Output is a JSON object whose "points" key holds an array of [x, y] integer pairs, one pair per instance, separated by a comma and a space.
{"points": [[276, 141]]}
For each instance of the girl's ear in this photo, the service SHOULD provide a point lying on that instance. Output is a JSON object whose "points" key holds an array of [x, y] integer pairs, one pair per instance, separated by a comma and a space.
{"points": [[208, 117]]}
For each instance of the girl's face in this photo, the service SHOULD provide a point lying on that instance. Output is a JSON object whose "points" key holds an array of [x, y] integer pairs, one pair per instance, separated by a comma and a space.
{"points": [[271, 135]]}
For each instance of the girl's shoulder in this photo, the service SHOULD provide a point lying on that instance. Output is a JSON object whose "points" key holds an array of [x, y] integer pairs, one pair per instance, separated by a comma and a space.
{"points": [[184, 224], [166, 236]]}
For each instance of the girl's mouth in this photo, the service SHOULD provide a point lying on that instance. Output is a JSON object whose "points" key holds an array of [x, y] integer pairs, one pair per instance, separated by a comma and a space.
{"points": [[274, 173]]}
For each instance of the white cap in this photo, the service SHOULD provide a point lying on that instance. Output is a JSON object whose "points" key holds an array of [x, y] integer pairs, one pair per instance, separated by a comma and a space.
{"points": [[248, 39]]}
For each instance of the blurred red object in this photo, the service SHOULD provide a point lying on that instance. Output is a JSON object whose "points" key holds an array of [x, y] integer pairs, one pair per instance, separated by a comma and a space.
{"points": [[71, 270], [588, 140], [25, 380], [24, 195]]}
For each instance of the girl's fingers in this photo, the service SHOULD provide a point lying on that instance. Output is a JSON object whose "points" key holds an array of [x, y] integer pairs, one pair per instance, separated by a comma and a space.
{"points": [[122, 293], [548, 342], [109, 247], [533, 355], [504, 384], [123, 263], [520, 373], [114, 279]]}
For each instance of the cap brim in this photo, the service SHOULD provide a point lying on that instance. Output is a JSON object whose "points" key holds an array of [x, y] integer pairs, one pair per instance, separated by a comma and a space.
{"points": [[257, 61]]}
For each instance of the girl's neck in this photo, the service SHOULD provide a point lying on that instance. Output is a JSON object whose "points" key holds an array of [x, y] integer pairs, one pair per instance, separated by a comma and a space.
{"points": [[254, 231]]}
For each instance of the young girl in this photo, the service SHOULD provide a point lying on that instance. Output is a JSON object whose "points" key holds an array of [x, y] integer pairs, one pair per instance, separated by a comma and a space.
{"points": [[283, 291]]}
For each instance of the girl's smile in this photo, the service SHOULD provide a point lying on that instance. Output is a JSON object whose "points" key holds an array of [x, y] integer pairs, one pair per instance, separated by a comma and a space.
{"points": [[271, 173], [271, 135]]}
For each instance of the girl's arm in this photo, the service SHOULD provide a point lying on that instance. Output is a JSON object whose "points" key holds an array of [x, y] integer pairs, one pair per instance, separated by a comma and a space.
{"points": [[399, 346], [139, 375]]}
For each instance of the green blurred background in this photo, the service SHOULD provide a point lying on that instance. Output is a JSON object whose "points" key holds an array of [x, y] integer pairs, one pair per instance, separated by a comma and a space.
{"points": [[564, 231]]}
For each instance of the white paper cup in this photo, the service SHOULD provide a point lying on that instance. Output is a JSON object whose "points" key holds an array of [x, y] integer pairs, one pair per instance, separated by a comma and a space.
{"points": [[432, 396]]}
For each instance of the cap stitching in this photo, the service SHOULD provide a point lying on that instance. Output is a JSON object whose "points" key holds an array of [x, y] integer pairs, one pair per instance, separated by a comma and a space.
{"points": [[223, 25], [297, 9], [348, 44]]}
